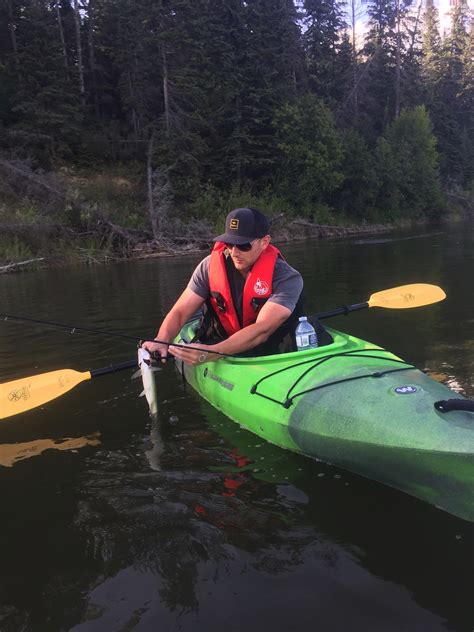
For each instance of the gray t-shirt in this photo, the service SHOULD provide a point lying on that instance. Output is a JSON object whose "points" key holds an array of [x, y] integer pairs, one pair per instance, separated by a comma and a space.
{"points": [[287, 283]]}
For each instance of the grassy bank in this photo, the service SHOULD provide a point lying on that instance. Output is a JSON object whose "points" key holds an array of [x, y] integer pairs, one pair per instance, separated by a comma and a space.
{"points": [[83, 217]]}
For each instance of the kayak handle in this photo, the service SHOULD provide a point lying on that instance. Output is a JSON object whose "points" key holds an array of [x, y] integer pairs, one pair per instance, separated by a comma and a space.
{"points": [[447, 405]]}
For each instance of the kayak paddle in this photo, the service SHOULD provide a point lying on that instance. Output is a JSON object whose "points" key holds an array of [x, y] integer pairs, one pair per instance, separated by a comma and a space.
{"points": [[26, 393], [401, 297]]}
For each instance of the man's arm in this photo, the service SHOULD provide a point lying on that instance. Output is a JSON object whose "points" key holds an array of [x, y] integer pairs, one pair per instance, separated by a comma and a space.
{"points": [[270, 317], [185, 307]]}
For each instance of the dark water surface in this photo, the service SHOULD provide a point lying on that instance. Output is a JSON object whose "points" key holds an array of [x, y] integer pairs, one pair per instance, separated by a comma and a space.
{"points": [[110, 522]]}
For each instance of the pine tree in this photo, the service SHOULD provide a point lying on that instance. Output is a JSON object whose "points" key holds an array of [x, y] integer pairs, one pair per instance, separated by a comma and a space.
{"points": [[45, 105], [431, 44], [310, 153], [377, 100], [268, 77], [451, 122], [324, 24], [467, 105], [407, 166], [391, 74]]}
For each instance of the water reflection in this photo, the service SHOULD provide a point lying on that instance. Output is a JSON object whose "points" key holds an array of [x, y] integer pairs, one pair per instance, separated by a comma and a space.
{"points": [[157, 446], [187, 521], [227, 510], [11, 453]]}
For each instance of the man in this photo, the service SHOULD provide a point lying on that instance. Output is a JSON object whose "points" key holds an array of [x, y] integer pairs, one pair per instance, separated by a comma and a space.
{"points": [[251, 297]]}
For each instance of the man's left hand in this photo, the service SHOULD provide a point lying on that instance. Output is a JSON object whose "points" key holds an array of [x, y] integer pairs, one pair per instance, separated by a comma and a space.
{"points": [[190, 355]]}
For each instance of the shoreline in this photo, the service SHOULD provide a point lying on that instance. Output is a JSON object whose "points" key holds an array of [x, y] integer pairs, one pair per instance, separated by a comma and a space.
{"points": [[76, 251], [298, 229]]}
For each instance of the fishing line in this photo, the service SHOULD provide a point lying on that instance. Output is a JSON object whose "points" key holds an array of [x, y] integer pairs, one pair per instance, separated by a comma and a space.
{"points": [[73, 328]]}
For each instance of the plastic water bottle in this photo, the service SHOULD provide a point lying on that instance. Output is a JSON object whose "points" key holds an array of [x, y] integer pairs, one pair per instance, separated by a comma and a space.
{"points": [[306, 337]]}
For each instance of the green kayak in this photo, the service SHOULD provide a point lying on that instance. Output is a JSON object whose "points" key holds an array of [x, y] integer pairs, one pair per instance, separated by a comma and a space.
{"points": [[354, 405]]}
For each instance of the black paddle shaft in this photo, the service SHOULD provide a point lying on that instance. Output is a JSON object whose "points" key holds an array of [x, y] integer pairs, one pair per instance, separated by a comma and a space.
{"points": [[113, 368], [344, 310]]}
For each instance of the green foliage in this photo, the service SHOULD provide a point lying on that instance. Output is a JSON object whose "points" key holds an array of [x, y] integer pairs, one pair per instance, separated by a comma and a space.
{"points": [[361, 181], [118, 193], [448, 67], [43, 108], [407, 167], [323, 41], [311, 152], [213, 204], [260, 102], [13, 250]]}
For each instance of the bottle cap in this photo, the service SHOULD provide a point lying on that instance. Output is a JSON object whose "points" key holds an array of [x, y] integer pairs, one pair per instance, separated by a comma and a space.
{"points": [[302, 318]]}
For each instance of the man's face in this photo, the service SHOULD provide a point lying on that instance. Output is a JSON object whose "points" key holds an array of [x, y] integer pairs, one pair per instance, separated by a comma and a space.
{"points": [[244, 260]]}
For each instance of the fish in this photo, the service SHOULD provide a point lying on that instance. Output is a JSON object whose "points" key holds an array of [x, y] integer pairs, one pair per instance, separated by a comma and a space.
{"points": [[146, 371]]}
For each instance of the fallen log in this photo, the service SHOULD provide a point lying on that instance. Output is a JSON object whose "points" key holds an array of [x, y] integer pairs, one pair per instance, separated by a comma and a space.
{"points": [[9, 267]]}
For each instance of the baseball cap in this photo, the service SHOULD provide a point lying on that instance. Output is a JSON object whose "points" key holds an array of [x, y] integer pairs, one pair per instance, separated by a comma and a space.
{"points": [[243, 225]]}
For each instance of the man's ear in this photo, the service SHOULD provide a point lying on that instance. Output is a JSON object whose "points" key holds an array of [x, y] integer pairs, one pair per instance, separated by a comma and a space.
{"points": [[266, 241]]}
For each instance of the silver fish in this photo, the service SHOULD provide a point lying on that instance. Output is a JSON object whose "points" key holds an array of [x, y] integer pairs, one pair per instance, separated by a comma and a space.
{"points": [[147, 371]]}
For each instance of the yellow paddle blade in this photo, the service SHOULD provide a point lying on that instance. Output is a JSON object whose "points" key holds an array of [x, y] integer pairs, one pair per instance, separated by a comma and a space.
{"points": [[406, 296], [26, 393]]}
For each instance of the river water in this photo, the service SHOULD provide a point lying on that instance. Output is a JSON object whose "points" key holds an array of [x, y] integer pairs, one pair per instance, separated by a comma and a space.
{"points": [[111, 522]]}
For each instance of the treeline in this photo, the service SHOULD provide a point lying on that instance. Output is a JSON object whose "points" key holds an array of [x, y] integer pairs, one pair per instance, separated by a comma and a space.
{"points": [[257, 99]]}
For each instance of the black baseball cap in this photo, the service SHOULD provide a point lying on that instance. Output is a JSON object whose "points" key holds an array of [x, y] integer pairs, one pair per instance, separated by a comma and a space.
{"points": [[243, 225]]}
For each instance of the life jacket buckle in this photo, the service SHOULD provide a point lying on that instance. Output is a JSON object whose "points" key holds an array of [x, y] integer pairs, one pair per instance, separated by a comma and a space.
{"points": [[257, 303], [220, 302]]}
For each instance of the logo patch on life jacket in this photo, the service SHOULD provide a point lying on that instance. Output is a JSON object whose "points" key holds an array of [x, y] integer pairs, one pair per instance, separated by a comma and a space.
{"points": [[261, 287], [405, 390], [234, 224]]}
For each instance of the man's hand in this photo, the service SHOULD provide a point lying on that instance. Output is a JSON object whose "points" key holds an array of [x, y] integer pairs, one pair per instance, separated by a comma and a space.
{"points": [[157, 348], [189, 303], [190, 355]]}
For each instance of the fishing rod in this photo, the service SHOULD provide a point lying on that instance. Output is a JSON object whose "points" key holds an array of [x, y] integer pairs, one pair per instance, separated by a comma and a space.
{"points": [[73, 328], [401, 297]]}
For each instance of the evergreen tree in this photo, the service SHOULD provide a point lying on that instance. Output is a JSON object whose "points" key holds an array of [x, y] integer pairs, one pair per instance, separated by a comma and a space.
{"points": [[269, 77], [237, 95], [451, 122], [407, 167], [360, 186], [377, 102], [311, 153], [467, 105], [412, 91], [431, 45], [9, 63], [345, 92], [45, 109], [324, 24]]}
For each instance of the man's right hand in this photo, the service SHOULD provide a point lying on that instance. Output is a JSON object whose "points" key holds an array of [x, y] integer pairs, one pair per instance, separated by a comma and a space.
{"points": [[158, 349]]}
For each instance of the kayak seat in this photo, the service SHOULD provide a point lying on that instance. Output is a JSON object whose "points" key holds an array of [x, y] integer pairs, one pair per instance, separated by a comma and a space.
{"points": [[324, 337], [288, 345]]}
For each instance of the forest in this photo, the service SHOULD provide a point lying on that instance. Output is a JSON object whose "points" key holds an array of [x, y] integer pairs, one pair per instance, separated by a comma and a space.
{"points": [[143, 117]]}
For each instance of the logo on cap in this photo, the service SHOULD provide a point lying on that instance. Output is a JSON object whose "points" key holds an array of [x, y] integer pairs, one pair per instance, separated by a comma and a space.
{"points": [[234, 224]]}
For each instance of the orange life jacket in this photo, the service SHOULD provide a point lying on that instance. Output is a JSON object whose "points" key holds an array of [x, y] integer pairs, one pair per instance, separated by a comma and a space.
{"points": [[257, 288]]}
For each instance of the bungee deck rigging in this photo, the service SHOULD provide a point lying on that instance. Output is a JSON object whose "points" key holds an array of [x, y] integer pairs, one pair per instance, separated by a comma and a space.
{"points": [[315, 363]]}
